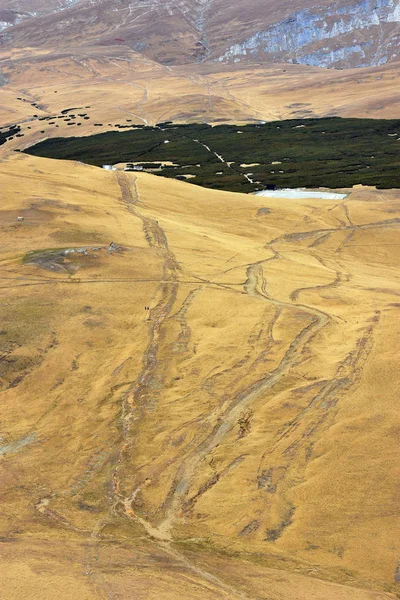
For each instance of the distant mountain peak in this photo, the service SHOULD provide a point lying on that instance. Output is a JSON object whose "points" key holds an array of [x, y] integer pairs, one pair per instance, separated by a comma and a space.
{"points": [[350, 33]]}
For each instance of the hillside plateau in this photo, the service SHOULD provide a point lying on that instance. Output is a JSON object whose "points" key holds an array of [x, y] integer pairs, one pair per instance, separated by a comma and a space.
{"points": [[199, 386], [198, 389], [116, 87]]}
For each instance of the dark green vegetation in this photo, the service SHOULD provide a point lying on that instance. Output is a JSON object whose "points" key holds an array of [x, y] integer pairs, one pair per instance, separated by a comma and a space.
{"points": [[330, 152], [7, 133]]}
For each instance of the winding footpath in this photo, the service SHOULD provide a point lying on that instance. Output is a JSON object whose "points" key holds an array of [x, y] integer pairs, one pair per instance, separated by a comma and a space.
{"points": [[255, 287]]}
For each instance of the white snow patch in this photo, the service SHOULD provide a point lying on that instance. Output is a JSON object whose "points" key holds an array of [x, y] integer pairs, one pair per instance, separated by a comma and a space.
{"points": [[295, 193]]}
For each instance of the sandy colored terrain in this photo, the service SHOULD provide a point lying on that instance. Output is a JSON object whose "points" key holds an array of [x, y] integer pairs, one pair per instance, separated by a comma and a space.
{"points": [[122, 87], [199, 390], [207, 409]]}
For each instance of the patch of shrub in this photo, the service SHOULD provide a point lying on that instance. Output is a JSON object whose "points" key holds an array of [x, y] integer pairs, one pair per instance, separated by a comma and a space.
{"points": [[330, 152]]}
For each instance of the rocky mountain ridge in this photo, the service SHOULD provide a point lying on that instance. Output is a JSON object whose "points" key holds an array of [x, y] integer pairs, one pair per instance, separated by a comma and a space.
{"points": [[12, 13], [355, 33], [365, 33]]}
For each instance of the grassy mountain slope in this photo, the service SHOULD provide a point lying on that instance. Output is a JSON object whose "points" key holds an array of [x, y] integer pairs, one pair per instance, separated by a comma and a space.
{"points": [[236, 440]]}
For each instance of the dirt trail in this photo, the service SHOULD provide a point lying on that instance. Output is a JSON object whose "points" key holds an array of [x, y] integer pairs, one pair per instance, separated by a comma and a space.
{"points": [[303, 235], [221, 159], [255, 287], [12, 447], [137, 395], [133, 399], [224, 419]]}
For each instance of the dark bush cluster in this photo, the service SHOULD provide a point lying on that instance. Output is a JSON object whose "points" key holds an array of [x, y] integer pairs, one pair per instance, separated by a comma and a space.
{"points": [[330, 152], [8, 133]]}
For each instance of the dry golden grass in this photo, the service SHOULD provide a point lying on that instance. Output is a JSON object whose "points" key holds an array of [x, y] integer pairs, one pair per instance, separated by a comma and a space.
{"points": [[237, 440], [120, 85]]}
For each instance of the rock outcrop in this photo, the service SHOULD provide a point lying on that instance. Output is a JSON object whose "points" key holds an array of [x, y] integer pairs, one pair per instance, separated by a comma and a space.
{"points": [[364, 33], [348, 33]]}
